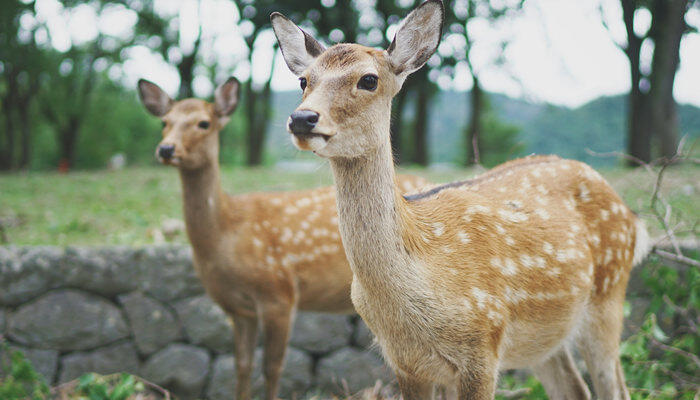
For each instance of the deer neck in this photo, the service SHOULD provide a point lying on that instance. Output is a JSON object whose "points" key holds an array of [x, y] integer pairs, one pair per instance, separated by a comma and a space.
{"points": [[202, 203], [370, 217]]}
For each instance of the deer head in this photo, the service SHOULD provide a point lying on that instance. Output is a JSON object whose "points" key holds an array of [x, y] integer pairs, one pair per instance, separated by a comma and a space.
{"points": [[348, 87], [191, 126]]}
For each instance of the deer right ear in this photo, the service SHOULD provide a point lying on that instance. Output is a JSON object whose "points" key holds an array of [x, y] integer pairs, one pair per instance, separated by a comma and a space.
{"points": [[156, 101], [299, 49], [417, 38]]}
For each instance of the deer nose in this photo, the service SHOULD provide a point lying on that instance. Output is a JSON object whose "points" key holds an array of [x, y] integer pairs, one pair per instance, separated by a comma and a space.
{"points": [[165, 151], [302, 121]]}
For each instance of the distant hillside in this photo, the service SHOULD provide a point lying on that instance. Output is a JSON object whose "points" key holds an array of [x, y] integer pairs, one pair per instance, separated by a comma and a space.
{"points": [[545, 129]]}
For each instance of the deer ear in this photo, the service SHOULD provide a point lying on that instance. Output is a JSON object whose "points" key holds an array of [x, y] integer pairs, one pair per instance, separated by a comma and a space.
{"points": [[299, 49], [226, 99], [417, 38], [156, 101]]}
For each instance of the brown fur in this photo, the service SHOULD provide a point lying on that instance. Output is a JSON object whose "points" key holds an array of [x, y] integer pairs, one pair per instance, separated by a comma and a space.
{"points": [[503, 271], [260, 256]]}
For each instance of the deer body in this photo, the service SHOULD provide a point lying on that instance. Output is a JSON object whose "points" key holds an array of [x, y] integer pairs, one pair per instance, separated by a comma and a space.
{"points": [[260, 256], [463, 280]]}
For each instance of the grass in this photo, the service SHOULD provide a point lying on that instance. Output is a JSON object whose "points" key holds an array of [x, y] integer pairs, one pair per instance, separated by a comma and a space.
{"points": [[128, 207]]}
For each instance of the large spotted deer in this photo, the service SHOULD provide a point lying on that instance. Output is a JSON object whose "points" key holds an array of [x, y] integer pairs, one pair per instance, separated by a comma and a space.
{"points": [[260, 256], [463, 280]]}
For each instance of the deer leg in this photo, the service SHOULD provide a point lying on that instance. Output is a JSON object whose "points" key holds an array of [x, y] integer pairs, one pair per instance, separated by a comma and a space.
{"points": [[478, 384], [414, 389], [560, 378], [276, 326], [599, 344], [245, 331]]}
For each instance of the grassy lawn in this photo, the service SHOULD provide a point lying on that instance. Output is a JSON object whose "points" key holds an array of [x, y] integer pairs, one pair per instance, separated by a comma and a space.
{"points": [[127, 207]]}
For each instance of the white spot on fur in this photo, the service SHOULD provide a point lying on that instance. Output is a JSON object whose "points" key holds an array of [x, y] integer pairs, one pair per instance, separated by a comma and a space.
{"points": [[499, 229], [507, 266], [305, 225], [303, 202], [608, 256], [526, 261], [604, 215], [541, 189], [291, 210], [510, 241], [276, 201], [585, 193], [438, 229], [542, 213], [512, 216], [257, 243], [481, 297], [463, 237], [548, 248], [477, 208]]}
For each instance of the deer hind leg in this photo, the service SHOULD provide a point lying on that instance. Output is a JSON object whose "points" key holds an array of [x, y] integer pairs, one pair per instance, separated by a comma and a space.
{"points": [[478, 384], [599, 343], [245, 331], [276, 326], [415, 389], [560, 377]]}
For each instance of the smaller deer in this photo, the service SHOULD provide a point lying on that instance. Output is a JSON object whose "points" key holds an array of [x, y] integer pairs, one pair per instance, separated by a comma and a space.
{"points": [[465, 279], [260, 256]]}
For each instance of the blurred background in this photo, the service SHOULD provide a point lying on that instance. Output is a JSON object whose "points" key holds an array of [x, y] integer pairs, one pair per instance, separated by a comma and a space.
{"points": [[511, 77], [91, 230]]}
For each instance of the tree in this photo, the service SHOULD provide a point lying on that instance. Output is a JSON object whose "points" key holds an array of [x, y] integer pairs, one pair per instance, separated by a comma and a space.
{"points": [[652, 108], [459, 15], [21, 61]]}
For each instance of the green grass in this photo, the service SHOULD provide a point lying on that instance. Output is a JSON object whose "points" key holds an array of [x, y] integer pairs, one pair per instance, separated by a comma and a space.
{"points": [[125, 207]]}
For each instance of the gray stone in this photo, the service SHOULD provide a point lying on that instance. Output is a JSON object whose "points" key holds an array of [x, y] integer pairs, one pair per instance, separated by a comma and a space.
{"points": [[180, 368], [27, 272], [67, 320], [168, 273], [120, 357], [351, 368], [223, 379], [45, 362], [152, 324], [363, 337], [321, 333], [104, 270], [296, 379], [205, 323]]}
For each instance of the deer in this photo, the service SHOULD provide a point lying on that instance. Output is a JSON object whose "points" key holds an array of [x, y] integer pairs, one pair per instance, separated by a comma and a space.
{"points": [[459, 281], [260, 256]]}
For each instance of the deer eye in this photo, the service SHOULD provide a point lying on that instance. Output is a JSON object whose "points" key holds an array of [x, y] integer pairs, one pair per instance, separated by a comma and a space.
{"points": [[368, 82], [302, 83], [203, 124]]}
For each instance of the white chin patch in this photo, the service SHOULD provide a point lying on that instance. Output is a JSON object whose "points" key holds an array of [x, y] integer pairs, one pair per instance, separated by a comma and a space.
{"points": [[314, 143]]}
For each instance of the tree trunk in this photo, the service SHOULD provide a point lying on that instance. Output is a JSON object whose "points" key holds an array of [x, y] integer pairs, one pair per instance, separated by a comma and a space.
{"points": [[68, 141], [253, 154], [638, 127], [420, 126], [8, 149], [397, 125], [475, 128], [667, 30], [25, 131]]}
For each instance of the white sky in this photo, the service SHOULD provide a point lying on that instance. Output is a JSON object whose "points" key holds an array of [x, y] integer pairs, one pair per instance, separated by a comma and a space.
{"points": [[560, 51]]}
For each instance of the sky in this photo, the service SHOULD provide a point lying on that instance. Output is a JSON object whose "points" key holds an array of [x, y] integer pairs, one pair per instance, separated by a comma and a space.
{"points": [[560, 52]]}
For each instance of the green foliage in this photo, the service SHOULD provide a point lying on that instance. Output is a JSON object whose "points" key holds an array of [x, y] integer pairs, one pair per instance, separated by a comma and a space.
{"points": [[18, 379], [97, 387]]}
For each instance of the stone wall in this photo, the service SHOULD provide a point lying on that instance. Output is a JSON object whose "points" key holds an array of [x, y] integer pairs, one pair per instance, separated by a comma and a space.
{"points": [[143, 311]]}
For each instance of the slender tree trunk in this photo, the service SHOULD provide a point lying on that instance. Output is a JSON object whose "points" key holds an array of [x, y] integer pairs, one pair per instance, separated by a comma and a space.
{"points": [[8, 150], [68, 140], [397, 125], [25, 131], [253, 156], [667, 30], [475, 128], [420, 127], [638, 124]]}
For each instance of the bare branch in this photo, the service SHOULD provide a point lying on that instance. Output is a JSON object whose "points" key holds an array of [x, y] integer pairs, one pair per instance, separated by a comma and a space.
{"points": [[676, 257]]}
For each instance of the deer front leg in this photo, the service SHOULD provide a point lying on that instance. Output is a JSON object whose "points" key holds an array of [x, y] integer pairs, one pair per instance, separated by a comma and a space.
{"points": [[414, 389], [276, 326], [245, 331]]}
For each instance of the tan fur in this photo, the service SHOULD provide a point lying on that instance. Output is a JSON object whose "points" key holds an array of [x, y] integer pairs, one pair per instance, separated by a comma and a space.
{"points": [[499, 272], [260, 256]]}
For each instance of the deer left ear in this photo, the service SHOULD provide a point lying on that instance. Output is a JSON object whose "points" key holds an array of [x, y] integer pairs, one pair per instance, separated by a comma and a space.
{"points": [[417, 38], [299, 49], [226, 99]]}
